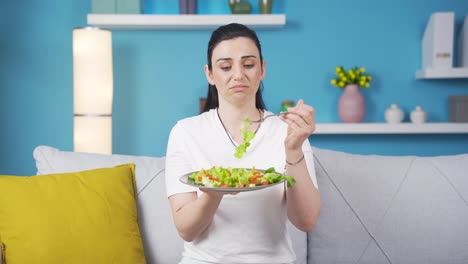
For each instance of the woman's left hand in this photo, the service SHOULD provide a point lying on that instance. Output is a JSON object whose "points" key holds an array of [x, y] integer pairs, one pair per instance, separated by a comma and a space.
{"points": [[301, 124]]}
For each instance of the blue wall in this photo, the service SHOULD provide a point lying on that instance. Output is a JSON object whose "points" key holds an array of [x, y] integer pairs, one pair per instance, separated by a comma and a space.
{"points": [[159, 74]]}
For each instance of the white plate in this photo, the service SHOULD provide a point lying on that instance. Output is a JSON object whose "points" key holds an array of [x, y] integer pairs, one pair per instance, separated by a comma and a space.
{"points": [[186, 180]]}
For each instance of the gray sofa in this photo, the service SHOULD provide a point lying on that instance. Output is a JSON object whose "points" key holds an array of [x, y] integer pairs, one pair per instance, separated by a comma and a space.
{"points": [[376, 209]]}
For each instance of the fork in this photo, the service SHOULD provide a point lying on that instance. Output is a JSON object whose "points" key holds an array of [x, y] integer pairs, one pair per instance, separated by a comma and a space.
{"points": [[265, 117]]}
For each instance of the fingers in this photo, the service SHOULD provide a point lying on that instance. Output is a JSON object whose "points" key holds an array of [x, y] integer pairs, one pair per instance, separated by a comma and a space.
{"points": [[301, 124], [295, 120], [298, 125], [301, 115]]}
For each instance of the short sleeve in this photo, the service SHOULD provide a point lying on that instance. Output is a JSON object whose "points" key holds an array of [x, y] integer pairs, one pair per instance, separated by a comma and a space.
{"points": [[177, 162]]}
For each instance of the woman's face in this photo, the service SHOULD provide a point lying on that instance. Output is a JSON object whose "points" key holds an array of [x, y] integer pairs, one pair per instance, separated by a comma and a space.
{"points": [[236, 70]]}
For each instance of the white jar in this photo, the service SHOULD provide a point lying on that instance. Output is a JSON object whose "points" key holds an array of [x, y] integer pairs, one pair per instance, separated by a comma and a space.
{"points": [[394, 114], [418, 116]]}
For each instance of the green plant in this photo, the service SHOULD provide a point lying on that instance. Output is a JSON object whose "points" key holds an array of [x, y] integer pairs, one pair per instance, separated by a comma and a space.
{"points": [[355, 75]]}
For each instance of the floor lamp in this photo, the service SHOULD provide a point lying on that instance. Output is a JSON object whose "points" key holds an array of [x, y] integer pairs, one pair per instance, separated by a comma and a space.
{"points": [[92, 90]]}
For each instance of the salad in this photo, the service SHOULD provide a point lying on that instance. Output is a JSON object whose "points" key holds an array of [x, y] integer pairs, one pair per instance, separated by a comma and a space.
{"points": [[238, 178]]}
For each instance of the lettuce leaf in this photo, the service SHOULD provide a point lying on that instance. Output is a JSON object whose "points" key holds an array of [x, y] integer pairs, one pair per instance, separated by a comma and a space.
{"points": [[247, 136]]}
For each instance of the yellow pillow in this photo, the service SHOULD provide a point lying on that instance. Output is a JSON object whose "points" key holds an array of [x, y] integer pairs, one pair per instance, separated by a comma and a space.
{"points": [[82, 217]]}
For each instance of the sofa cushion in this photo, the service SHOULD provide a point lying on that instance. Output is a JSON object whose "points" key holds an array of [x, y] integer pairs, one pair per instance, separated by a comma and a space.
{"points": [[161, 241], [383, 209], [53, 160], [81, 217]]}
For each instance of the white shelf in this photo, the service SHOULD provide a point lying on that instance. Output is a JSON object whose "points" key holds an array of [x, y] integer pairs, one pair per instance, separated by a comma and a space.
{"points": [[147, 21], [450, 73], [385, 128]]}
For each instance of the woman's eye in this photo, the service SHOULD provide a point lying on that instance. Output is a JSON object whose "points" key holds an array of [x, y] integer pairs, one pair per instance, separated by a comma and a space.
{"points": [[249, 66], [225, 68]]}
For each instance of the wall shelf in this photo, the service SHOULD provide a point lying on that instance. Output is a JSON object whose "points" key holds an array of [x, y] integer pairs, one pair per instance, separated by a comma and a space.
{"points": [[450, 73], [385, 128], [187, 22]]}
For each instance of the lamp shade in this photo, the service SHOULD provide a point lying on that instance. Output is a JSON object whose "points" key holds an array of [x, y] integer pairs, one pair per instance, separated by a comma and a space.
{"points": [[92, 90]]}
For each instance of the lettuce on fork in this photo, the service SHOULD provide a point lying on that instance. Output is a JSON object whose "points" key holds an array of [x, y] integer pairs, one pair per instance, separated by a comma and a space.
{"points": [[247, 136]]}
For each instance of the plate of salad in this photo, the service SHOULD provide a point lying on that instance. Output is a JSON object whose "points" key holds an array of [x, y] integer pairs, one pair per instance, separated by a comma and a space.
{"points": [[235, 179]]}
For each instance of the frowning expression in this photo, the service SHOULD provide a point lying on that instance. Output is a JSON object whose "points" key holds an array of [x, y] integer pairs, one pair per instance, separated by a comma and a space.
{"points": [[236, 70]]}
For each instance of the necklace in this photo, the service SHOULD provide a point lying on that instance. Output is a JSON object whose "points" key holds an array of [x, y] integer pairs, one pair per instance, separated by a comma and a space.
{"points": [[229, 136]]}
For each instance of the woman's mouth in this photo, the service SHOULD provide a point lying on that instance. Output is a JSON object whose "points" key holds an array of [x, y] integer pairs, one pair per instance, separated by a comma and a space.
{"points": [[239, 86]]}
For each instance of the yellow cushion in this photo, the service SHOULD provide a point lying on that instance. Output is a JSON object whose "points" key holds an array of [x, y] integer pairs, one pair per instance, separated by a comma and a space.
{"points": [[82, 217]]}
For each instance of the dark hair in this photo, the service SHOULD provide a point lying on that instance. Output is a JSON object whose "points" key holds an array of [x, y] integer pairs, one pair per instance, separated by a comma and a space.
{"points": [[227, 32]]}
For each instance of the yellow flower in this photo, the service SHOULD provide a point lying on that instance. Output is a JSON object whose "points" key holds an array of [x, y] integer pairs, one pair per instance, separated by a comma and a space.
{"points": [[355, 75]]}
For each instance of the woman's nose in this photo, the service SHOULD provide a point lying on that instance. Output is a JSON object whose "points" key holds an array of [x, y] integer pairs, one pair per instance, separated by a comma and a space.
{"points": [[238, 72]]}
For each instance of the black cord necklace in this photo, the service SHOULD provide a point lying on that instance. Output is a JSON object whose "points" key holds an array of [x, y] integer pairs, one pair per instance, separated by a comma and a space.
{"points": [[229, 136]]}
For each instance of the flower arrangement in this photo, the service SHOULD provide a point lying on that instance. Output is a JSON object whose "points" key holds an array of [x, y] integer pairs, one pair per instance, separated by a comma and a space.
{"points": [[356, 75]]}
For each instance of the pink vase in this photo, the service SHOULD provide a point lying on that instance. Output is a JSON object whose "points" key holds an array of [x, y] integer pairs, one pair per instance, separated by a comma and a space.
{"points": [[351, 106]]}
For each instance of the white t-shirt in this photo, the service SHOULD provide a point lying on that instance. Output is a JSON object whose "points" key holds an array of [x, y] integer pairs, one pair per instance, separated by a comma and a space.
{"points": [[249, 227]]}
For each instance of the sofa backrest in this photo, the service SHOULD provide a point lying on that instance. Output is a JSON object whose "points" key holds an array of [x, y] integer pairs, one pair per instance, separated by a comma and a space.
{"points": [[384, 209], [376, 209]]}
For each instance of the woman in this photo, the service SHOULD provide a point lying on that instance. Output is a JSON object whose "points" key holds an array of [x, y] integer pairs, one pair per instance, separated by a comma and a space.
{"points": [[248, 227]]}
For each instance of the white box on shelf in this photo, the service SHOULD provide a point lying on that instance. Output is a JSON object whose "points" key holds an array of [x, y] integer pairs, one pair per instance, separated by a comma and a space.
{"points": [[463, 44], [437, 43]]}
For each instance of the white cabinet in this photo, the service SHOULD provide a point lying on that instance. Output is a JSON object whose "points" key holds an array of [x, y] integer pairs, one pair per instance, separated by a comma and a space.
{"points": [[437, 49]]}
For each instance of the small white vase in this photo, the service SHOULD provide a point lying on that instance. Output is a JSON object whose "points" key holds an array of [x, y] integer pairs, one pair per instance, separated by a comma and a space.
{"points": [[394, 114], [418, 115]]}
